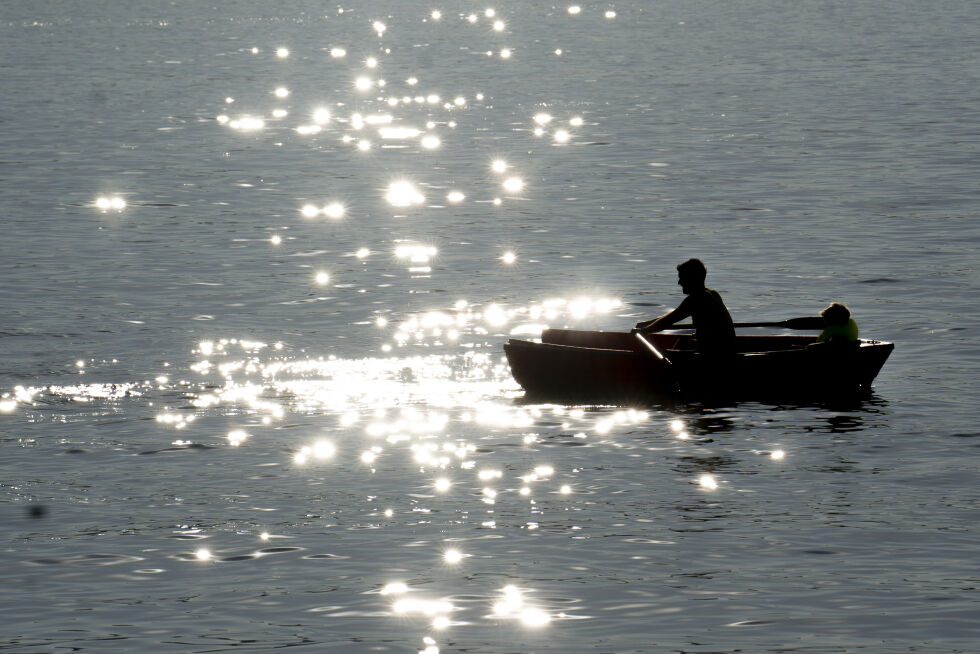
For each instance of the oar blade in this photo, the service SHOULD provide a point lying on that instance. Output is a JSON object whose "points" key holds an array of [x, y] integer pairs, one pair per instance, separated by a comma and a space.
{"points": [[807, 322], [803, 323]]}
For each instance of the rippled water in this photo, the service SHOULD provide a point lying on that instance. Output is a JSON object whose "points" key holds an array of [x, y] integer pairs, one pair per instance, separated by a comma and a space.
{"points": [[259, 262]]}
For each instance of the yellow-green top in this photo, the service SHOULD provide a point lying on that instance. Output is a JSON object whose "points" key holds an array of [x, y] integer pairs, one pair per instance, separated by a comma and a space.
{"points": [[848, 331]]}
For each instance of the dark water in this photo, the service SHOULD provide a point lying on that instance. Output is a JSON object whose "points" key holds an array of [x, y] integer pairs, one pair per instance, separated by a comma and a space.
{"points": [[227, 424]]}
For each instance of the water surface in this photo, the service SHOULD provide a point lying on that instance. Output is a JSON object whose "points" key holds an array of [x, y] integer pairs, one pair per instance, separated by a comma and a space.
{"points": [[259, 263]]}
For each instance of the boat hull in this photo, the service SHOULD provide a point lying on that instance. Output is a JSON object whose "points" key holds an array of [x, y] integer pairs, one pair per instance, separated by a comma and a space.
{"points": [[614, 367], [569, 373]]}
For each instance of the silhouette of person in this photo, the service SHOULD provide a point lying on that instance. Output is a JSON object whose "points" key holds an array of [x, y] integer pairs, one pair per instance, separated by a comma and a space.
{"points": [[839, 327], [714, 331]]}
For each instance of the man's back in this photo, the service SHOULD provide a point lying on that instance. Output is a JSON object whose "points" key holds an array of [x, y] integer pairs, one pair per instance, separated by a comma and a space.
{"points": [[715, 332]]}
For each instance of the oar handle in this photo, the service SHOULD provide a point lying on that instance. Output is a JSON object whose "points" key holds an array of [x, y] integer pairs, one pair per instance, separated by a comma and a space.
{"points": [[652, 349]]}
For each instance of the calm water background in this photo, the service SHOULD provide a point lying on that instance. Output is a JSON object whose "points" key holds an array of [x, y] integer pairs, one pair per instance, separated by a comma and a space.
{"points": [[228, 453]]}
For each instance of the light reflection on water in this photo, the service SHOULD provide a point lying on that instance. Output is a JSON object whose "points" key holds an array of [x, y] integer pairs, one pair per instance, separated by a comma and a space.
{"points": [[419, 415]]}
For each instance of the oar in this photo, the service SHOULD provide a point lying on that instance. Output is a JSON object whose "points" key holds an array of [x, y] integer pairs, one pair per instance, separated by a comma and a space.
{"points": [[652, 349], [806, 322]]}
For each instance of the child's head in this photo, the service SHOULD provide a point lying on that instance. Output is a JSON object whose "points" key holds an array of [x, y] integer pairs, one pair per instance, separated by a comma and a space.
{"points": [[836, 314]]}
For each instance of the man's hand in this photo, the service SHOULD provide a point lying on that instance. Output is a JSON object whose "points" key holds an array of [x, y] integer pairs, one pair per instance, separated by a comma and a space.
{"points": [[646, 326]]}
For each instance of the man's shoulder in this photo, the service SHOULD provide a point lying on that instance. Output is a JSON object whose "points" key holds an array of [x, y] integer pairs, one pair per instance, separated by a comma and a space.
{"points": [[705, 295]]}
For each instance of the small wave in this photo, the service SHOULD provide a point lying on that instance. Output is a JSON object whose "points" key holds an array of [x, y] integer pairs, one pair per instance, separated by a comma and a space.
{"points": [[88, 559]]}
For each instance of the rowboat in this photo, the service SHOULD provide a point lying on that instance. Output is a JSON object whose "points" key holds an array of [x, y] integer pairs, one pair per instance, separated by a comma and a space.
{"points": [[617, 367]]}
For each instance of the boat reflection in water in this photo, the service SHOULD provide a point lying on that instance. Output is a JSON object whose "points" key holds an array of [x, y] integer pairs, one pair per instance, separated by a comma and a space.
{"points": [[616, 367]]}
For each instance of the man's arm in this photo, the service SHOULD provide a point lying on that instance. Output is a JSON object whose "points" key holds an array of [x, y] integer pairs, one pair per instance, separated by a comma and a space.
{"points": [[666, 320]]}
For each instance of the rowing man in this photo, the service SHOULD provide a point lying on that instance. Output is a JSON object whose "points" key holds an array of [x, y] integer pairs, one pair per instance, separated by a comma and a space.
{"points": [[714, 331]]}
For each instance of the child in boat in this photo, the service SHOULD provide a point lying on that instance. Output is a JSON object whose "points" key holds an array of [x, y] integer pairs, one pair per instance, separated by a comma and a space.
{"points": [[714, 331], [839, 327]]}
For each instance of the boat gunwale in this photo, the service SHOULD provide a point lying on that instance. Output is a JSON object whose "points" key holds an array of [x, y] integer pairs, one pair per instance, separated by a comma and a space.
{"points": [[861, 344], [524, 342]]}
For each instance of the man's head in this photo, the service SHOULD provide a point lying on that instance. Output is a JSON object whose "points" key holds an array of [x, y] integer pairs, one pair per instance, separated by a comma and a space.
{"points": [[691, 274]]}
